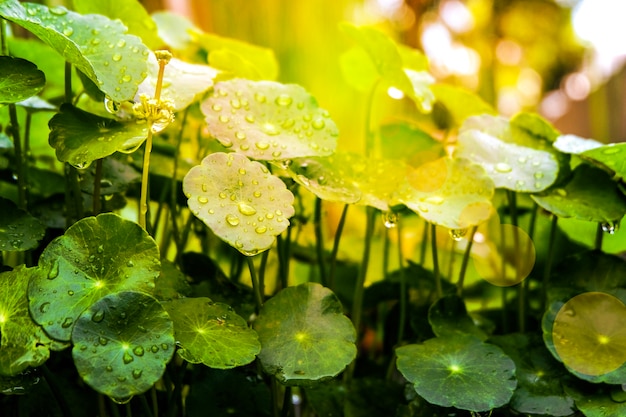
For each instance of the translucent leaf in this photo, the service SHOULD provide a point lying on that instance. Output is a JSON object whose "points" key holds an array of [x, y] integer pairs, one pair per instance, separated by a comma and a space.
{"points": [[19, 231], [513, 160], [407, 142], [460, 103], [531, 124], [450, 192], [269, 121], [122, 343], [212, 333], [130, 12], [610, 158], [590, 195], [421, 92], [174, 29], [459, 371], [240, 200], [182, 81], [23, 343], [96, 256], [94, 44], [304, 335], [412, 58], [240, 58], [19, 79], [358, 69], [573, 144], [80, 137]]}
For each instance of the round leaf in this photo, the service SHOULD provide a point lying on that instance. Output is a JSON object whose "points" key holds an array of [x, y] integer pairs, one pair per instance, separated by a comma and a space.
{"points": [[609, 157], [94, 44], [459, 371], [19, 231], [240, 200], [122, 343], [19, 79], [80, 137], [304, 335], [96, 256], [450, 192], [23, 343], [212, 333], [516, 162], [323, 177], [269, 121], [590, 195]]}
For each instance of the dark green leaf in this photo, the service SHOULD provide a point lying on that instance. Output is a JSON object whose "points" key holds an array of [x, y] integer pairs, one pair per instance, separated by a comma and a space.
{"points": [[19, 231], [448, 317], [19, 79], [304, 335]]}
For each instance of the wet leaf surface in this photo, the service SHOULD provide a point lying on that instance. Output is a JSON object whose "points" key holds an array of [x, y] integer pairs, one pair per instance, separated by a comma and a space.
{"points": [[19, 231], [19, 79]]}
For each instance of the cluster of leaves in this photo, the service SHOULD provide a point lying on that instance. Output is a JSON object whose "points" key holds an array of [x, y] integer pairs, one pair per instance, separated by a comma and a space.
{"points": [[247, 152]]}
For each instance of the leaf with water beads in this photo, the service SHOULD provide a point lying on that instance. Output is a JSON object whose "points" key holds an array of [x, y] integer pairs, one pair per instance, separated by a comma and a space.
{"points": [[304, 335], [212, 333], [122, 343], [514, 159], [611, 158], [267, 120], [96, 45], [575, 145], [325, 178], [80, 137], [459, 371], [240, 200], [19, 231], [182, 82], [589, 195], [19, 79], [96, 256], [23, 343], [450, 192]]}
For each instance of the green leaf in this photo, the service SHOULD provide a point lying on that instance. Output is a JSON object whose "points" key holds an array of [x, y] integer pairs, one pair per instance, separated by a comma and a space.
{"points": [[593, 401], [515, 160], [19, 384], [459, 371], [240, 200], [122, 343], [96, 256], [324, 177], [130, 12], [412, 58], [460, 103], [116, 177], [19, 79], [533, 125], [405, 142], [450, 192], [610, 158], [304, 335], [590, 195], [358, 69], [269, 121], [573, 144], [171, 283], [240, 58], [19, 231], [96, 45], [80, 137], [212, 333], [42, 55], [182, 81], [174, 29], [23, 343], [448, 317]]}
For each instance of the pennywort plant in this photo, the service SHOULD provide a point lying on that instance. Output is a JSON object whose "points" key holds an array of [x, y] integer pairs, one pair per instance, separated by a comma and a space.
{"points": [[167, 246]]}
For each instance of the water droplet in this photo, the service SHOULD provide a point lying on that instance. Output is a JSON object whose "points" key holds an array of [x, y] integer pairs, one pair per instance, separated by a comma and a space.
{"points": [[261, 229], [57, 10], [288, 124], [116, 57], [98, 316], [610, 150], [137, 373], [318, 124], [130, 263], [70, 293], [68, 31], [284, 100], [390, 219], [224, 119], [127, 358], [54, 271], [154, 348], [270, 129], [126, 78], [260, 97], [250, 118], [202, 200], [262, 145], [257, 194], [164, 346], [503, 167], [539, 175], [67, 322], [246, 209], [121, 43], [100, 249], [609, 228], [103, 341], [138, 351], [436, 200], [232, 220], [44, 307], [109, 368], [240, 135], [95, 41], [457, 234], [561, 192]]}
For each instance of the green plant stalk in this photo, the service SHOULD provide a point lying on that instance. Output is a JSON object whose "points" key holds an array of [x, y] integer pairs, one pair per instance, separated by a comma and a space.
{"points": [[531, 235], [4, 48], [287, 404], [521, 296], [319, 240], [56, 391], [262, 270], [548, 268], [258, 297], [333, 255], [145, 406], [102, 405], [465, 261], [436, 273], [599, 237], [386, 245], [174, 188], [403, 289], [129, 411], [19, 157], [96, 203], [114, 408], [424, 244], [370, 139]]}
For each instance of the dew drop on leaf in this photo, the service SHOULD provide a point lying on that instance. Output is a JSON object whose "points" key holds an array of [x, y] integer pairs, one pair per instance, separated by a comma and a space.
{"points": [[110, 105], [44, 307], [138, 351], [503, 167], [127, 358], [103, 341], [232, 220], [98, 316], [67, 322], [54, 271], [609, 228], [154, 349], [390, 219], [246, 209], [137, 373], [457, 234]]}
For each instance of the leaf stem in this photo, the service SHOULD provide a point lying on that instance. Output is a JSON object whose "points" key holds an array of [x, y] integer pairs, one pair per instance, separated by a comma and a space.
{"points": [[403, 292], [333, 255], [56, 391], [599, 238], [465, 261], [4, 48], [433, 240], [319, 240], [96, 204], [19, 157], [68, 82], [548, 267], [258, 297]]}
